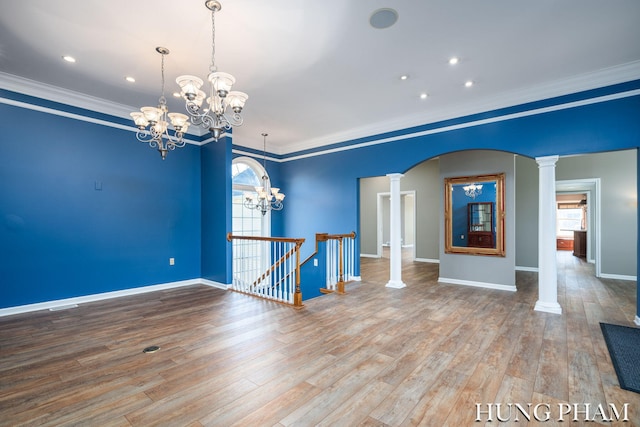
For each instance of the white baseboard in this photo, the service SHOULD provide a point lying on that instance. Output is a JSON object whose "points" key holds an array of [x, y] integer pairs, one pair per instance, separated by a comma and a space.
{"points": [[617, 276], [511, 288], [215, 284], [67, 303], [532, 269], [369, 256], [433, 261]]}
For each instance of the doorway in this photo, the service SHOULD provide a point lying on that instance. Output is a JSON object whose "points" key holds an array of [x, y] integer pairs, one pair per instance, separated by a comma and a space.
{"points": [[407, 218], [570, 193]]}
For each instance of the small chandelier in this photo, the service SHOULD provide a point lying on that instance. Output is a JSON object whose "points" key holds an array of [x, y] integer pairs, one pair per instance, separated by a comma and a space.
{"points": [[269, 198], [157, 133], [472, 190], [221, 97]]}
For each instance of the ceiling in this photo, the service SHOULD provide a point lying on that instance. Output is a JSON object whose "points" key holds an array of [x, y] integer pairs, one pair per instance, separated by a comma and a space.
{"points": [[317, 72]]}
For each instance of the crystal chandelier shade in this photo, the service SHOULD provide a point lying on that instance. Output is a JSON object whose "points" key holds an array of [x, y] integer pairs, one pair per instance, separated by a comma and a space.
{"points": [[472, 190], [153, 122], [267, 198], [209, 109]]}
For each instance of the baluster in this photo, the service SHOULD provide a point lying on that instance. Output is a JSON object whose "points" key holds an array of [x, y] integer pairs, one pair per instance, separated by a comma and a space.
{"points": [[291, 279]]}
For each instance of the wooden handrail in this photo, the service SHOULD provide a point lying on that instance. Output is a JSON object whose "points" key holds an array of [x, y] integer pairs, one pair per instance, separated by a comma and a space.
{"points": [[266, 239], [323, 237]]}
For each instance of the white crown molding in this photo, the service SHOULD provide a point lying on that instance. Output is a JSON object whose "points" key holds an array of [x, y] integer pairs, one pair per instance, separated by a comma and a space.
{"points": [[601, 78], [74, 99]]}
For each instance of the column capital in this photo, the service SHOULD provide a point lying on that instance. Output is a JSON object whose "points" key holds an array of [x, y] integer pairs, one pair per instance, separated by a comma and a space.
{"points": [[547, 161], [395, 176]]}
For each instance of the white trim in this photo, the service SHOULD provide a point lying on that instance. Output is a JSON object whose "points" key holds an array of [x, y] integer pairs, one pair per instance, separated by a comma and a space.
{"points": [[511, 288], [213, 284], [66, 303], [252, 155], [77, 117], [618, 276], [588, 81], [637, 321], [548, 307], [370, 256], [534, 112], [521, 268], [574, 84], [594, 203], [395, 284], [434, 261]]}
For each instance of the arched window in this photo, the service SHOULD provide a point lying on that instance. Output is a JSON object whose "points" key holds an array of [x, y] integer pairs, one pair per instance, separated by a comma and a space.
{"points": [[246, 174]]}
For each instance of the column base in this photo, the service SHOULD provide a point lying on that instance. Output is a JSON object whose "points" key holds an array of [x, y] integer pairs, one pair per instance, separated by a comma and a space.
{"points": [[548, 307], [397, 284]]}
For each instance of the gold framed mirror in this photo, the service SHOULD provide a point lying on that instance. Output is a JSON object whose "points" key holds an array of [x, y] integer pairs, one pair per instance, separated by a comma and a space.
{"points": [[474, 215]]}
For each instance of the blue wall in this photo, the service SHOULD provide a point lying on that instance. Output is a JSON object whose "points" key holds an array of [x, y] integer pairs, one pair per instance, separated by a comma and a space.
{"points": [[322, 191], [86, 209], [216, 211]]}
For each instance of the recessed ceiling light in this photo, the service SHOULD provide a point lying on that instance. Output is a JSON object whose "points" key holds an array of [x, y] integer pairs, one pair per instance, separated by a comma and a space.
{"points": [[130, 79], [383, 18], [404, 77], [69, 58], [468, 83], [453, 60], [423, 95], [176, 94]]}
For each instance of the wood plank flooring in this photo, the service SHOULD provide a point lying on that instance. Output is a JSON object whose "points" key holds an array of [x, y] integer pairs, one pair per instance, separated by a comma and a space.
{"points": [[422, 355]]}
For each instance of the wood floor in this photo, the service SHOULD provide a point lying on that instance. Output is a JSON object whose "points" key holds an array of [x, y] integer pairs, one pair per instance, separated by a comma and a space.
{"points": [[422, 355]]}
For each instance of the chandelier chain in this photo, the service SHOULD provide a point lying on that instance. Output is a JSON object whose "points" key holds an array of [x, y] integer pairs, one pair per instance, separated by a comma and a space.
{"points": [[213, 67], [163, 100]]}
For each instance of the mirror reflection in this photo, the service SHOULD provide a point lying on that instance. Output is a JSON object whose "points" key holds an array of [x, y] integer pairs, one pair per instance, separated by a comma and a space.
{"points": [[474, 215]]}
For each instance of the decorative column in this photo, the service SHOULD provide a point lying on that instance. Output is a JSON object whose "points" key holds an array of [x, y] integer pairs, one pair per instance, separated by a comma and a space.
{"points": [[395, 232], [547, 263]]}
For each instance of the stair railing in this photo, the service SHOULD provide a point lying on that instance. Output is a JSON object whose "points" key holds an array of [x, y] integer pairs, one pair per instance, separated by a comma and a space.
{"points": [[340, 264], [267, 267]]}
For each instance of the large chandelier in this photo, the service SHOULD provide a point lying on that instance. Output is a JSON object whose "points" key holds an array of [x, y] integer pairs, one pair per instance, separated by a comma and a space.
{"points": [[153, 125], [268, 198], [220, 97]]}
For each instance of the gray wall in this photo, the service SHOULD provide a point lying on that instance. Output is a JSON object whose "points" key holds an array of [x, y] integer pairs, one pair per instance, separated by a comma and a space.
{"points": [[369, 188], [617, 173], [424, 180], [616, 170], [526, 213], [477, 268]]}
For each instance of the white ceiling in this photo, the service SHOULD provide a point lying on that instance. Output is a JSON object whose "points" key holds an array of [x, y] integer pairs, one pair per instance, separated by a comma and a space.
{"points": [[316, 72]]}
